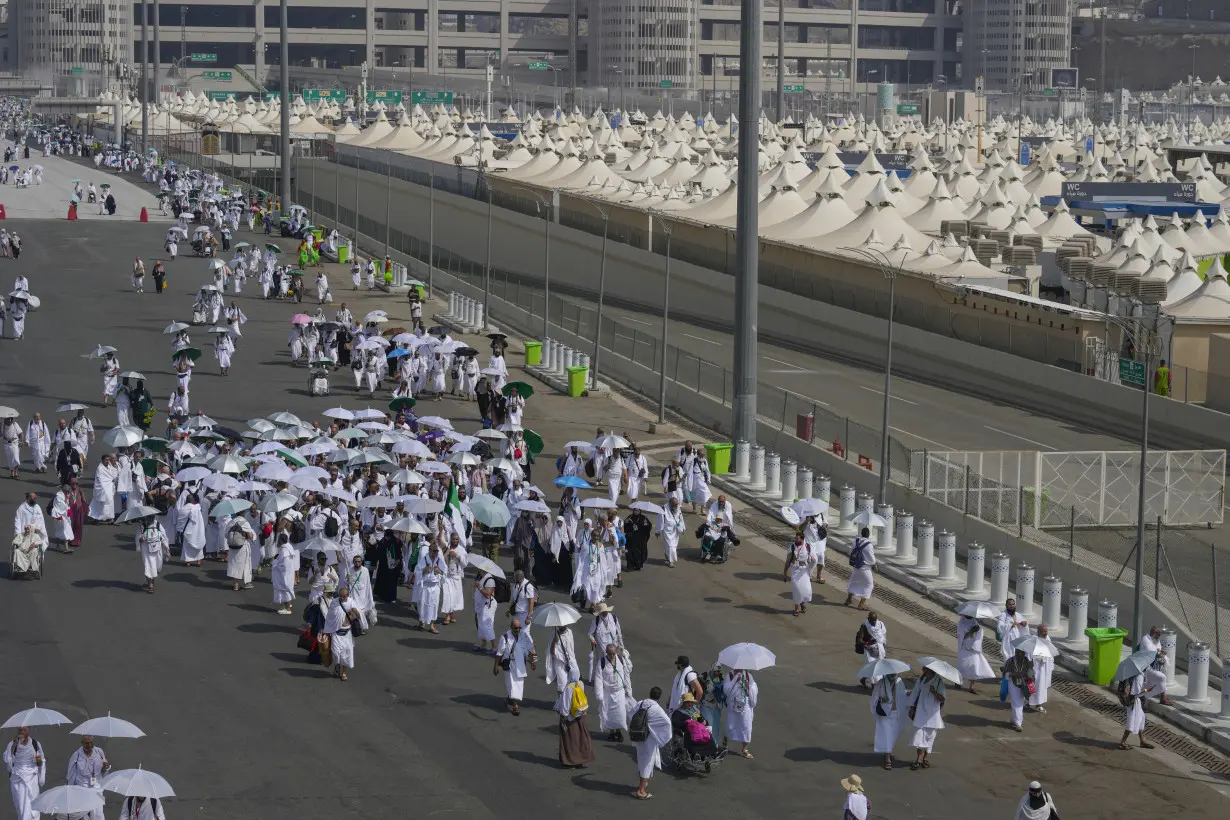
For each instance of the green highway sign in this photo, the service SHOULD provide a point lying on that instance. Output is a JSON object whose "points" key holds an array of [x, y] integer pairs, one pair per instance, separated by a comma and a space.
{"points": [[1050, 92], [311, 95], [664, 84], [907, 109], [387, 97], [225, 76], [204, 57], [540, 66], [220, 96], [77, 70], [792, 89], [431, 97], [1132, 372]]}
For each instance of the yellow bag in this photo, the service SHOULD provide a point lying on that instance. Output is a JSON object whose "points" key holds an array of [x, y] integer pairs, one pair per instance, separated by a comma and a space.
{"points": [[579, 702]]}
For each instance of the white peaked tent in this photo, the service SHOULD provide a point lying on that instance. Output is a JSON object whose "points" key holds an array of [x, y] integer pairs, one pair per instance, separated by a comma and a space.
{"points": [[827, 212], [880, 216], [1209, 302]]}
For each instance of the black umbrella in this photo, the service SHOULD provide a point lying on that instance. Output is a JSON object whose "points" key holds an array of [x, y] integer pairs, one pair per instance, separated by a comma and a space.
{"points": [[229, 432], [481, 449], [465, 351], [437, 330], [497, 336]]}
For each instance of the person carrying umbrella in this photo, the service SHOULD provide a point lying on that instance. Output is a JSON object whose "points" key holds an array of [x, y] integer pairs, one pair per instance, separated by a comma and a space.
{"points": [[1019, 671], [23, 757], [154, 548], [86, 768], [926, 704], [514, 650], [1132, 689]]}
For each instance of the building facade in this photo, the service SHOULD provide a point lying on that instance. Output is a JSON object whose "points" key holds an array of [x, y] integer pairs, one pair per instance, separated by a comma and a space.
{"points": [[1015, 43], [77, 46], [644, 43]]}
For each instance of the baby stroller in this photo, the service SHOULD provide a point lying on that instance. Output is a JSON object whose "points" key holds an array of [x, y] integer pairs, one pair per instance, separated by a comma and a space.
{"points": [[714, 540], [203, 242], [318, 377]]}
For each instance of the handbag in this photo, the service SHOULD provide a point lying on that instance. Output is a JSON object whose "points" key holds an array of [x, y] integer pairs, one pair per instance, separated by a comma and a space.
{"points": [[1003, 688], [306, 641], [880, 709], [860, 640]]}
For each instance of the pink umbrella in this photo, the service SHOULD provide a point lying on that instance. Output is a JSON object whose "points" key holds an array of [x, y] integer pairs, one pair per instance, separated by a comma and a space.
{"points": [[301, 319]]}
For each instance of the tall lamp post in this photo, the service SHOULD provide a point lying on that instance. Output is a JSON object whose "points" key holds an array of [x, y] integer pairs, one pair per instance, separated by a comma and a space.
{"points": [[606, 224], [545, 204], [666, 312], [889, 271]]}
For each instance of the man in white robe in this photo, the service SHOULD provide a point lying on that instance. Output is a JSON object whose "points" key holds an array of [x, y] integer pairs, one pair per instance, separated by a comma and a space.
{"points": [[12, 434], [888, 704], [190, 528], [27, 767], [86, 768], [358, 580], [513, 652], [797, 573], [742, 695], [1044, 668], [110, 370], [342, 617], [83, 429], [562, 666], [102, 502], [671, 527], [30, 515], [1010, 628], [485, 606], [658, 734], [926, 704], [38, 439], [1155, 675], [612, 682], [686, 681], [429, 581], [614, 476], [589, 574], [61, 519], [285, 565], [154, 548], [971, 662], [605, 630]]}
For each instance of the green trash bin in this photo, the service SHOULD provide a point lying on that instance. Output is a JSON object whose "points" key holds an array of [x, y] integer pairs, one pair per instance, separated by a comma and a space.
{"points": [[1105, 649], [576, 381], [718, 456], [533, 352], [343, 254]]}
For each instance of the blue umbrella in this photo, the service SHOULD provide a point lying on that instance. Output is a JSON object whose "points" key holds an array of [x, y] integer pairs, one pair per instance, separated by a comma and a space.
{"points": [[575, 482], [401, 351]]}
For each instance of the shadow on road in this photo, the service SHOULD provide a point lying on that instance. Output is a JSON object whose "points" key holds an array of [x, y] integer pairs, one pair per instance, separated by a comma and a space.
{"points": [[817, 754], [97, 583]]}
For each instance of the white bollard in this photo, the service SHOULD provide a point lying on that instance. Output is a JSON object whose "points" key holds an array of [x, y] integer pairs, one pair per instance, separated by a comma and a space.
{"points": [[1000, 564], [946, 550], [1052, 601], [479, 320], [926, 545], [467, 312], [1108, 614], [1025, 591], [905, 535], [863, 501], [975, 568], [1078, 613], [1225, 688], [452, 304], [583, 361], [807, 483], [1169, 644], [742, 453], [472, 317], [884, 538], [846, 509], [772, 474], [1198, 672], [823, 490], [755, 464], [551, 359], [790, 480], [545, 362]]}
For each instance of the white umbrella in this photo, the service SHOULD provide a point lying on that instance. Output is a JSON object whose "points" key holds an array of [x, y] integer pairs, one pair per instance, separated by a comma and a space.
{"points": [[554, 614], [881, 667], [503, 464], [464, 459], [321, 543], [978, 609], [338, 413], [108, 727], [370, 414], [68, 800], [35, 717], [8, 413], [612, 442], [253, 487], [305, 482], [646, 506], [193, 474], [174, 327], [424, 506], [374, 502], [485, 564], [412, 447], [228, 464], [1129, 667], [810, 506], [436, 421], [409, 525], [1036, 647], [942, 668], [533, 506], [494, 435], [70, 407], [511, 428], [284, 418], [100, 351], [316, 448], [136, 514], [599, 503], [791, 517], [274, 471], [184, 448], [260, 425], [867, 518], [750, 656], [132, 374], [123, 436], [338, 493], [200, 422], [406, 477], [138, 783], [583, 446], [276, 503]]}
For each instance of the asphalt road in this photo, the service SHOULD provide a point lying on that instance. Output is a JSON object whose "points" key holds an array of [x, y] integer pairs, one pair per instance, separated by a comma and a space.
{"points": [[244, 729]]}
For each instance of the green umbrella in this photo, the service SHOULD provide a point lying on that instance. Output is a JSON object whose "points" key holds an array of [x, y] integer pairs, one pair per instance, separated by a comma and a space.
{"points": [[191, 352], [533, 441], [154, 444], [269, 246], [521, 388], [403, 403], [150, 466], [489, 511], [291, 458]]}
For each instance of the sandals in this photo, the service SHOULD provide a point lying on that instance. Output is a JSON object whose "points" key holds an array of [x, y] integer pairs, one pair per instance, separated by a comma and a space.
{"points": [[888, 765], [1144, 745], [645, 796], [747, 754], [1123, 747], [926, 764], [915, 766]]}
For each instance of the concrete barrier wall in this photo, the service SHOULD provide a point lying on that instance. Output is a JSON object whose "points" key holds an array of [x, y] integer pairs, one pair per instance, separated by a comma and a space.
{"points": [[706, 297]]}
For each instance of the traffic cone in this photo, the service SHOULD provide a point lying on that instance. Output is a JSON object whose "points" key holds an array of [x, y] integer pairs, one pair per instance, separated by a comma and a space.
{"points": [[3, 215], [72, 212], [144, 214]]}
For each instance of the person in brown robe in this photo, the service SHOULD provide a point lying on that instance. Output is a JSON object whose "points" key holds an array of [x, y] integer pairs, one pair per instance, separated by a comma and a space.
{"points": [[575, 746], [78, 509]]}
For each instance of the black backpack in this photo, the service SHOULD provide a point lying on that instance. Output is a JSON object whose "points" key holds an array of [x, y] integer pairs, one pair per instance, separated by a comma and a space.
{"points": [[298, 531], [331, 527], [503, 590], [638, 726]]}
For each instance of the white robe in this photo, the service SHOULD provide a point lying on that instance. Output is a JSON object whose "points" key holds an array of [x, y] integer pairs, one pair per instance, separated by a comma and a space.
{"points": [[86, 771], [102, 502], [742, 693], [801, 562], [971, 662], [190, 524], [588, 573], [648, 755], [453, 596], [892, 699], [430, 580], [359, 582], [562, 666], [613, 691], [12, 445], [671, 526], [1008, 633], [341, 645], [484, 616], [928, 718], [862, 581], [1134, 716], [284, 567], [61, 519], [38, 439], [25, 777], [518, 651], [154, 548]]}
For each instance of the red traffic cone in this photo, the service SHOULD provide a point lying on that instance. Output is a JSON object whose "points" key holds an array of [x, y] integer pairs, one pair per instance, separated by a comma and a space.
{"points": [[3, 215], [72, 212], [144, 214]]}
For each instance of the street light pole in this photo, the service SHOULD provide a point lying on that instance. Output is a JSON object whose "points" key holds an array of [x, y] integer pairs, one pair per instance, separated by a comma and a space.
{"points": [[606, 215], [1138, 617], [144, 79], [666, 312], [487, 267], [388, 203], [285, 83], [747, 231]]}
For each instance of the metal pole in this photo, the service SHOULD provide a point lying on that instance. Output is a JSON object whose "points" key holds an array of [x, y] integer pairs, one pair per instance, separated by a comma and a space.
{"points": [[888, 383], [388, 201], [781, 59], [285, 91], [601, 296], [546, 281], [431, 229], [144, 78], [1216, 602], [666, 311], [356, 201], [487, 270], [747, 232], [157, 56], [312, 209], [1138, 617]]}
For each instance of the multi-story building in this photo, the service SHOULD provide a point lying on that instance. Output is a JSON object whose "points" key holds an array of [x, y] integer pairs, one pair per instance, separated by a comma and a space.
{"points": [[1015, 43], [79, 46], [644, 43]]}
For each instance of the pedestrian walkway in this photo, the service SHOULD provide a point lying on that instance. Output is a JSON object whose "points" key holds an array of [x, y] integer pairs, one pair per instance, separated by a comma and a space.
{"points": [[50, 200]]}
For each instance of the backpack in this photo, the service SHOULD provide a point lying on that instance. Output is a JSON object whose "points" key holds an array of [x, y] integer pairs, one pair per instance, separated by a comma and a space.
{"points": [[503, 590], [638, 726], [858, 554], [579, 703], [50, 504], [697, 732], [298, 531], [331, 527], [235, 538]]}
